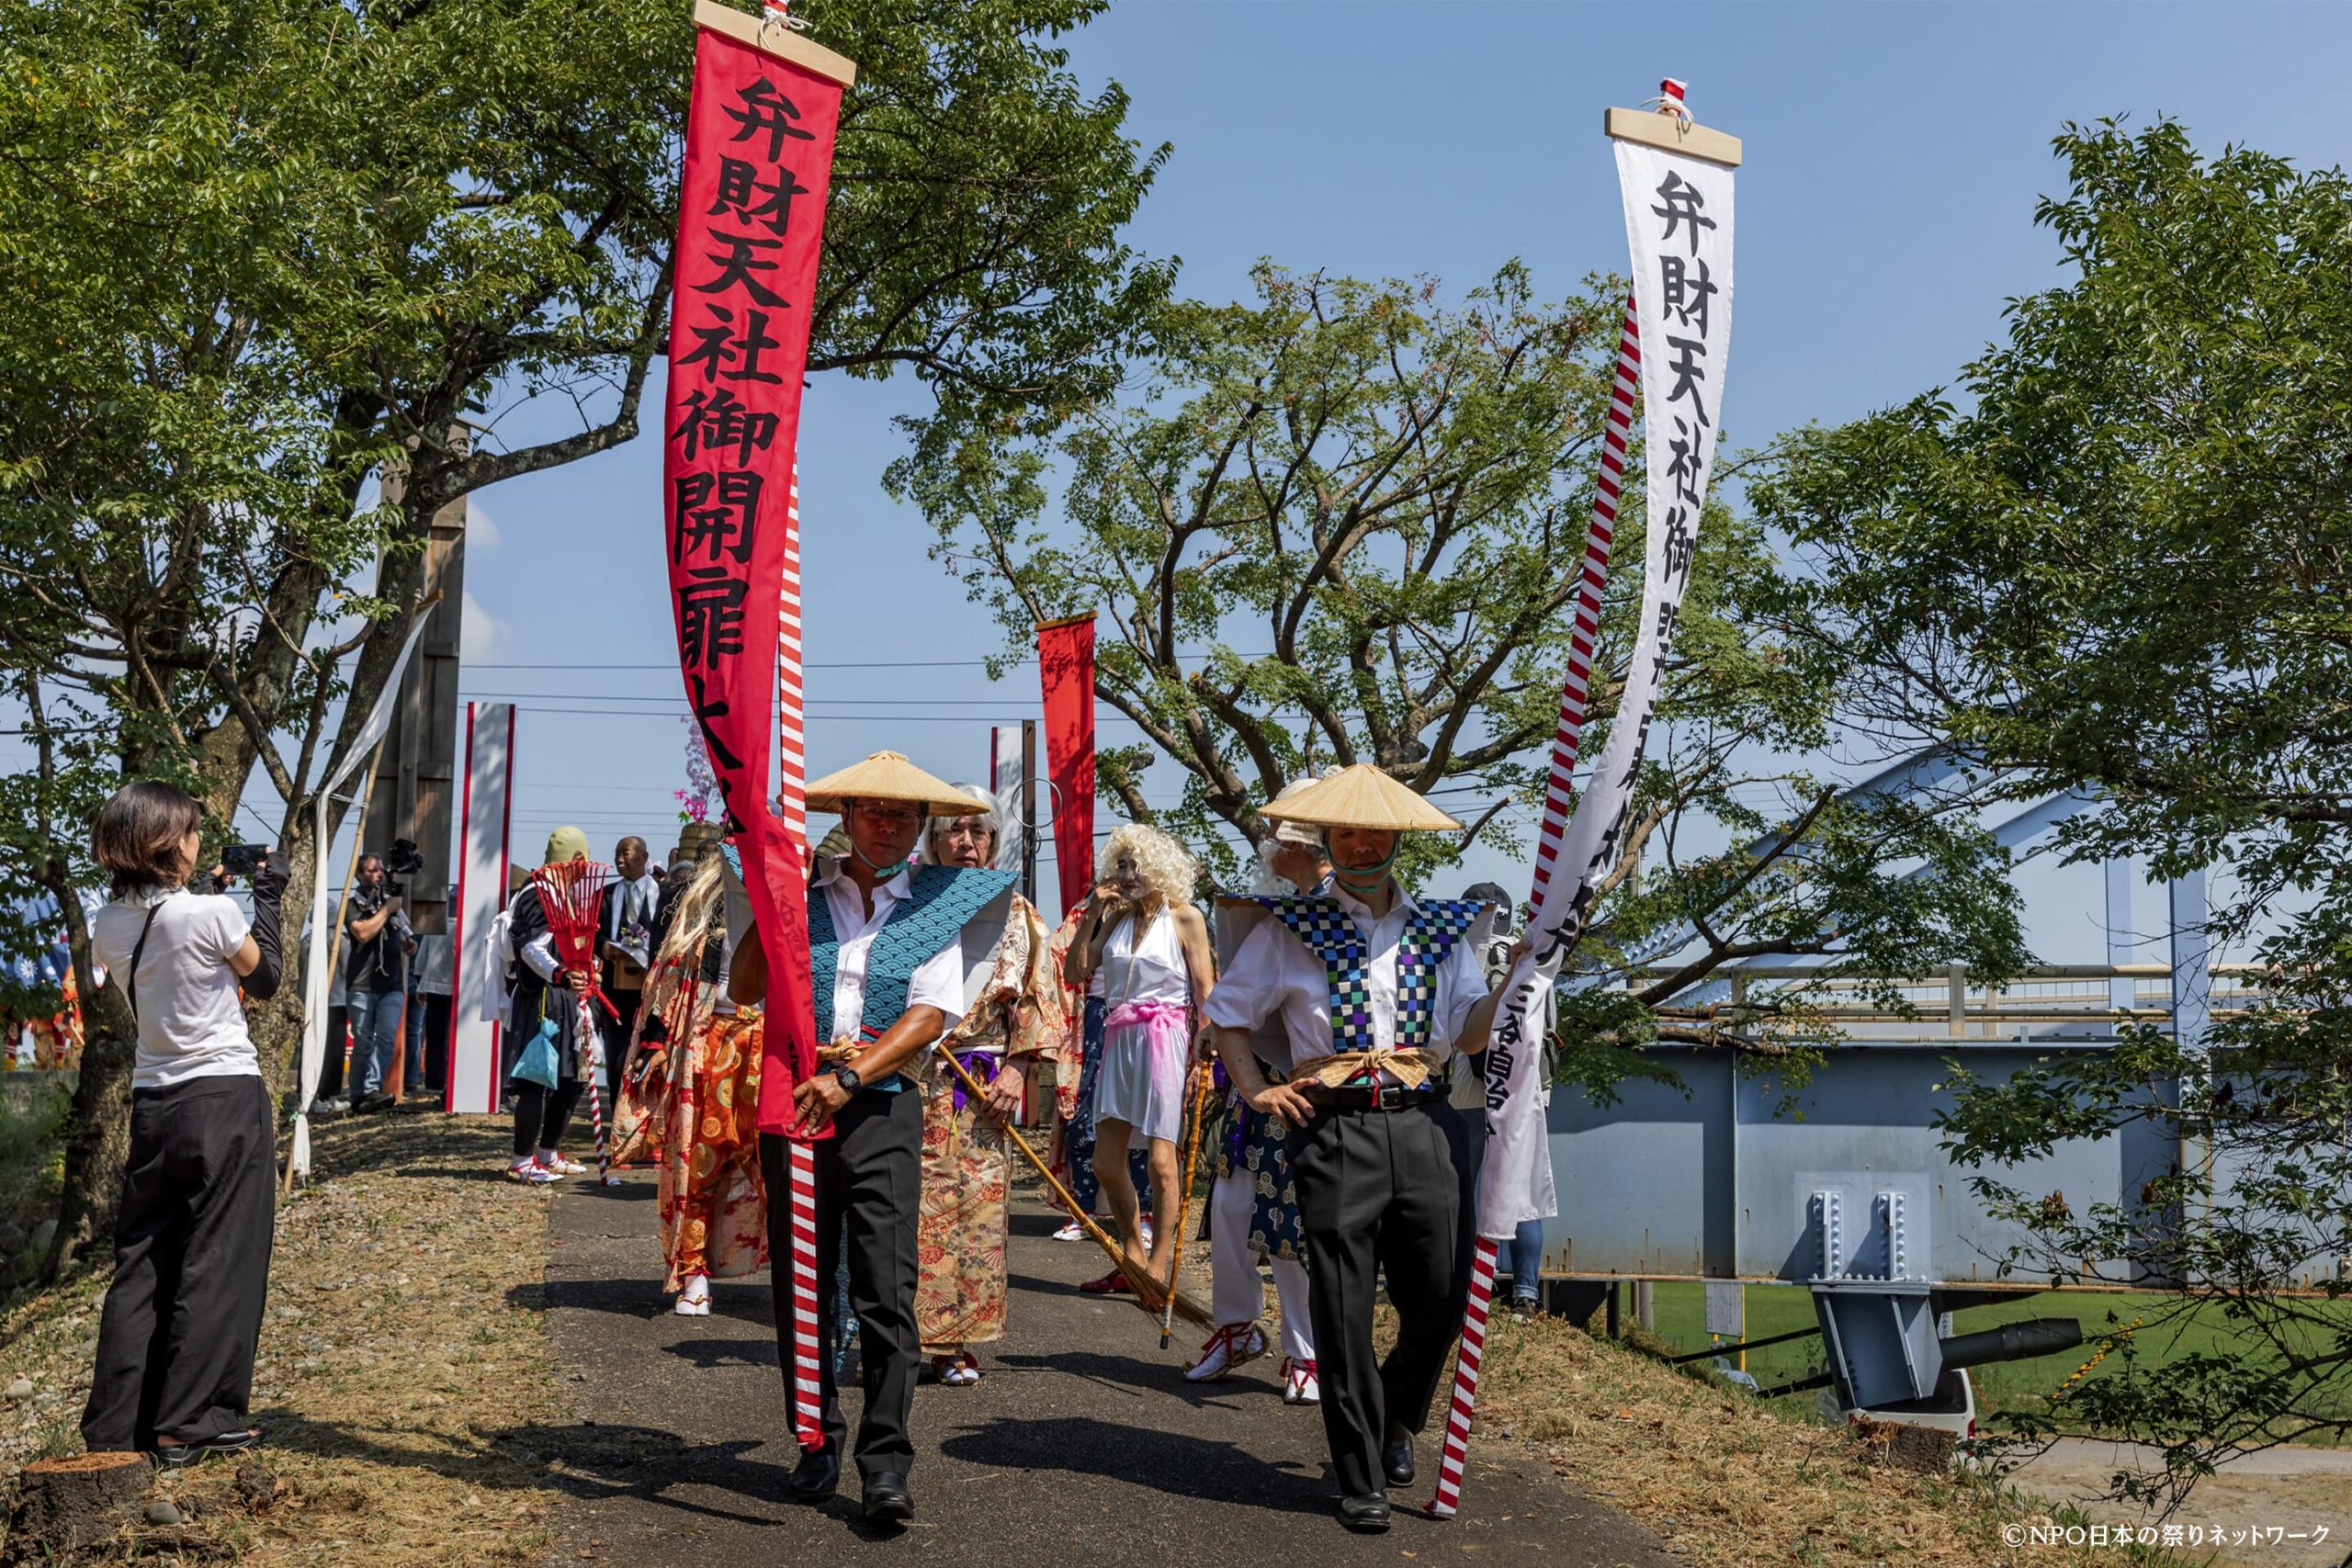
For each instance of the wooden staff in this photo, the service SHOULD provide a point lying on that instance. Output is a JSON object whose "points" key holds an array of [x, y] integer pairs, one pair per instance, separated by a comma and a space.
{"points": [[1184, 1197], [1149, 1293]]}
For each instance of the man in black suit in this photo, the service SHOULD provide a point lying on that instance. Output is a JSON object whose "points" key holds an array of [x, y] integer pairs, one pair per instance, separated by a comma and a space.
{"points": [[629, 912]]}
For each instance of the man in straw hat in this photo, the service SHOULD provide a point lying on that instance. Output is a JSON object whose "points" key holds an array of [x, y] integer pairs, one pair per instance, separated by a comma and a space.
{"points": [[889, 974], [1371, 988]]}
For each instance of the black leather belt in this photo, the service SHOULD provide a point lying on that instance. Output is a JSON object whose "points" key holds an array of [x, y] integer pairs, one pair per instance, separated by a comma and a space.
{"points": [[1388, 1097]]}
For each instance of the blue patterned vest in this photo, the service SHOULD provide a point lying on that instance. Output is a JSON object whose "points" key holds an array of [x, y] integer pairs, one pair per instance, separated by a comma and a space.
{"points": [[940, 901], [1332, 934]]}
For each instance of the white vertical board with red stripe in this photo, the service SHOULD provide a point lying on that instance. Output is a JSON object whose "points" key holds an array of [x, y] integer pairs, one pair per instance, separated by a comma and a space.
{"points": [[472, 1081]]}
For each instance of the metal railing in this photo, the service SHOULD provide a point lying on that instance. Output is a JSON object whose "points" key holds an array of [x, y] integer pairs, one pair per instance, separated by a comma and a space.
{"points": [[2075, 998]]}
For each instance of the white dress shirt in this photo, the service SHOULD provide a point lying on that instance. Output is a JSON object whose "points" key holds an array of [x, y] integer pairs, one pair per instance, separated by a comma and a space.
{"points": [[1276, 974], [938, 981]]}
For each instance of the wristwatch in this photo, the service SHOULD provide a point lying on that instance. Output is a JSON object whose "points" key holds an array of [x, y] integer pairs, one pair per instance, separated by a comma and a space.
{"points": [[846, 1076]]}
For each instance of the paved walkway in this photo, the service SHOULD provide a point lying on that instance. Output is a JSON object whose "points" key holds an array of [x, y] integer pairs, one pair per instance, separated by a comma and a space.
{"points": [[1082, 1445]]}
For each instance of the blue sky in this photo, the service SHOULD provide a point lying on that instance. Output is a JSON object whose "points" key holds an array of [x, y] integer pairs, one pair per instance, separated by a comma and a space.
{"points": [[1895, 153]]}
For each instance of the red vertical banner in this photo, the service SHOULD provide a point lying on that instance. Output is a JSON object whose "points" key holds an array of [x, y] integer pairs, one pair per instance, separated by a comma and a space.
{"points": [[1065, 665], [759, 156]]}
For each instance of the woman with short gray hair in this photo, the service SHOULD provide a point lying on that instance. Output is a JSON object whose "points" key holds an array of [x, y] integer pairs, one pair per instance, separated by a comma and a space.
{"points": [[1017, 1017]]}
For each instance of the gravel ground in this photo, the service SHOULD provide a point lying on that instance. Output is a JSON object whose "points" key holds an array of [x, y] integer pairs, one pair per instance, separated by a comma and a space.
{"points": [[403, 1367]]}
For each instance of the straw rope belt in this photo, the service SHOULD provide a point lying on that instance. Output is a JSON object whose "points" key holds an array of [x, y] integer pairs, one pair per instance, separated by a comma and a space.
{"points": [[835, 1055], [1412, 1069]]}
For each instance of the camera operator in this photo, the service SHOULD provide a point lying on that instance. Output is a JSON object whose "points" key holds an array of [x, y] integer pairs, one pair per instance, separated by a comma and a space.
{"points": [[175, 1365], [376, 979]]}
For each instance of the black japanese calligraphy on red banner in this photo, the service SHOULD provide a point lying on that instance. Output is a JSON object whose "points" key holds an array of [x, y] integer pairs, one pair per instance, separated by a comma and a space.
{"points": [[752, 206]]}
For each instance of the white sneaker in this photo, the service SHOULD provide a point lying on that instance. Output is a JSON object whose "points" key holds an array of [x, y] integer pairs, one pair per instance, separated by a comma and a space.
{"points": [[530, 1173], [1228, 1349], [1299, 1384]]}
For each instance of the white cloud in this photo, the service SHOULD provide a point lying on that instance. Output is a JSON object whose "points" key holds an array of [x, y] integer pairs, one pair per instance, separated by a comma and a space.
{"points": [[480, 633], [481, 532]]}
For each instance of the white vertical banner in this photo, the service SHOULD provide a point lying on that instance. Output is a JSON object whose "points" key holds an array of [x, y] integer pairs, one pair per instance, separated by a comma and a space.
{"points": [[317, 983], [471, 1077], [1004, 780], [1679, 225]]}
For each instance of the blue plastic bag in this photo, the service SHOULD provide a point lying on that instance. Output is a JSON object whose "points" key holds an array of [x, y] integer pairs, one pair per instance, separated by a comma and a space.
{"points": [[537, 1063]]}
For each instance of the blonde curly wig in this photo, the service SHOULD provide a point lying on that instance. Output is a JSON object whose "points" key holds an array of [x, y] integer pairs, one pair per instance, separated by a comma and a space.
{"points": [[1160, 860]]}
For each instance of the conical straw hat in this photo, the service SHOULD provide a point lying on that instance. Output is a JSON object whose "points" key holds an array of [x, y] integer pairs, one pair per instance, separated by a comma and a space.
{"points": [[1360, 797], [886, 776]]}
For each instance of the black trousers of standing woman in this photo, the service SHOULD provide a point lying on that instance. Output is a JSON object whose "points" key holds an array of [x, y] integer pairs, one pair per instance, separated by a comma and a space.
{"points": [[191, 1266]]}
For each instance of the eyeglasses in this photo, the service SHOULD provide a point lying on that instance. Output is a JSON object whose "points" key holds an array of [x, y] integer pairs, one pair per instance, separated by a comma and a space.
{"points": [[890, 815], [965, 828]]}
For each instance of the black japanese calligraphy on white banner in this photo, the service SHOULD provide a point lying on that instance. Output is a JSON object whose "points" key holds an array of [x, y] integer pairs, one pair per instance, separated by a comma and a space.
{"points": [[1679, 224]]}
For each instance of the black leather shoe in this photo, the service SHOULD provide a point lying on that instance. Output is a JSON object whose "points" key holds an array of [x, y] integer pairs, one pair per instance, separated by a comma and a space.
{"points": [[1396, 1457], [1367, 1515], [887, 1501], [816, 1476]]}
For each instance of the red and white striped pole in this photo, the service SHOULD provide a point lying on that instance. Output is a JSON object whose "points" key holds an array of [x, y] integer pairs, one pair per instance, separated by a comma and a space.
{"points": [[1574, 703], [792, 778]]}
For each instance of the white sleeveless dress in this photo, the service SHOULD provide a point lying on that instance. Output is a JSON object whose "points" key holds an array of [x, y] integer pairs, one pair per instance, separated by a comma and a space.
{"points": [[1145, 1047]]}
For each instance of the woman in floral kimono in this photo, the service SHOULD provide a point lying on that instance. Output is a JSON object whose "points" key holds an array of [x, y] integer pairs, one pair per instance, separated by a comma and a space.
{"points": [[1017, 1017], [693, 1083]]}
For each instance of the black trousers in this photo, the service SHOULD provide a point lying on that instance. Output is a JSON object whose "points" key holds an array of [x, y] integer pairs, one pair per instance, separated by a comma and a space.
{"points": [[1382, 1191], [869, 1188], [542, 1113], [615, 1032], [191, 1266]]}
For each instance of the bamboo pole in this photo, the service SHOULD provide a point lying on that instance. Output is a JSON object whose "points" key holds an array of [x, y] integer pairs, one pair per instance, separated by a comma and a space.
{"points": [[1184, 1196], [1150, 1293]]}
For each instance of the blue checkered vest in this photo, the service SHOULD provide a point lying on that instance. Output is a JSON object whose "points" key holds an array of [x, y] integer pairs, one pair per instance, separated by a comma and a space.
{"points": [[1332, 935], [940, 900]]}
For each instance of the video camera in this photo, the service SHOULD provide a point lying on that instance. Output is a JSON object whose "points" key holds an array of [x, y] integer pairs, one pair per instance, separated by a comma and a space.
{"points": [[402, 859]]}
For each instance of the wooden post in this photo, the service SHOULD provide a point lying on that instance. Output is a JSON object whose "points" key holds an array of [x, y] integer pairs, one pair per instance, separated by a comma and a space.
{"points": [[1614, 1327], [1956, 1000], [1029, 811], [1645, 1304]]}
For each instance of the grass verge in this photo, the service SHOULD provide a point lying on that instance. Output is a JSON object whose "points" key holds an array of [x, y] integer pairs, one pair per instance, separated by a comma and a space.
{"points": [[403, 1368], [1723, 1480]]}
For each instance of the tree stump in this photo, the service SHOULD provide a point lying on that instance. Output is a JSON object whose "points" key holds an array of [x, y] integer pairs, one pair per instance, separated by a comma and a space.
{"points": [[65, 1505]]}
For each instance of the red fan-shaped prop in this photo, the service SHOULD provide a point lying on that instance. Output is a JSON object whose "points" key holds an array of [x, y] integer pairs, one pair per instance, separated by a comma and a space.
{"points": [[568, 894], [571, 895]]}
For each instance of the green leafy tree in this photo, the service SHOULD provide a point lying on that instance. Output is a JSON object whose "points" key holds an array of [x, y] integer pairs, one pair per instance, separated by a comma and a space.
{"points": [[2118, 561], [1342, 521], [253, 254]]}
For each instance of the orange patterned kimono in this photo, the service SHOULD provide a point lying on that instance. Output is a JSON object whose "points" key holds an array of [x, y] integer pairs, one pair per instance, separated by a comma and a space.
{"points": [[959, 1240], [705, 1140]]}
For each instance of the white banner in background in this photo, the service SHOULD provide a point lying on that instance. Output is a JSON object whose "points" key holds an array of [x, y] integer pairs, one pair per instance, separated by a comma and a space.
{"points": [[471, 1077], [1004, 778], [1679, 224], [316, 979]]}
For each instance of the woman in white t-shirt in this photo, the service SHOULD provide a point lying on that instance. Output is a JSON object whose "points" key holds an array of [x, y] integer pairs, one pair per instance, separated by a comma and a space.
{"points": [[174, 1362]]}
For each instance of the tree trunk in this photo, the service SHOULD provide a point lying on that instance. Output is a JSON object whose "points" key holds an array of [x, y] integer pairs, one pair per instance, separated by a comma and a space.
{"points": [[98, 1131], [66, 1505], [276, 1025]]}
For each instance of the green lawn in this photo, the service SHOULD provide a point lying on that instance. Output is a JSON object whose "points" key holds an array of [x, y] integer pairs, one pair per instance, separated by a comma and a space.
{"points": [[2020, 1385]]}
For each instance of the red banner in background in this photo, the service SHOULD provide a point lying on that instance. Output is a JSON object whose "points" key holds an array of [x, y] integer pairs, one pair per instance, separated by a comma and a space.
{"points": [[1065, 665], [752, 207]]}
